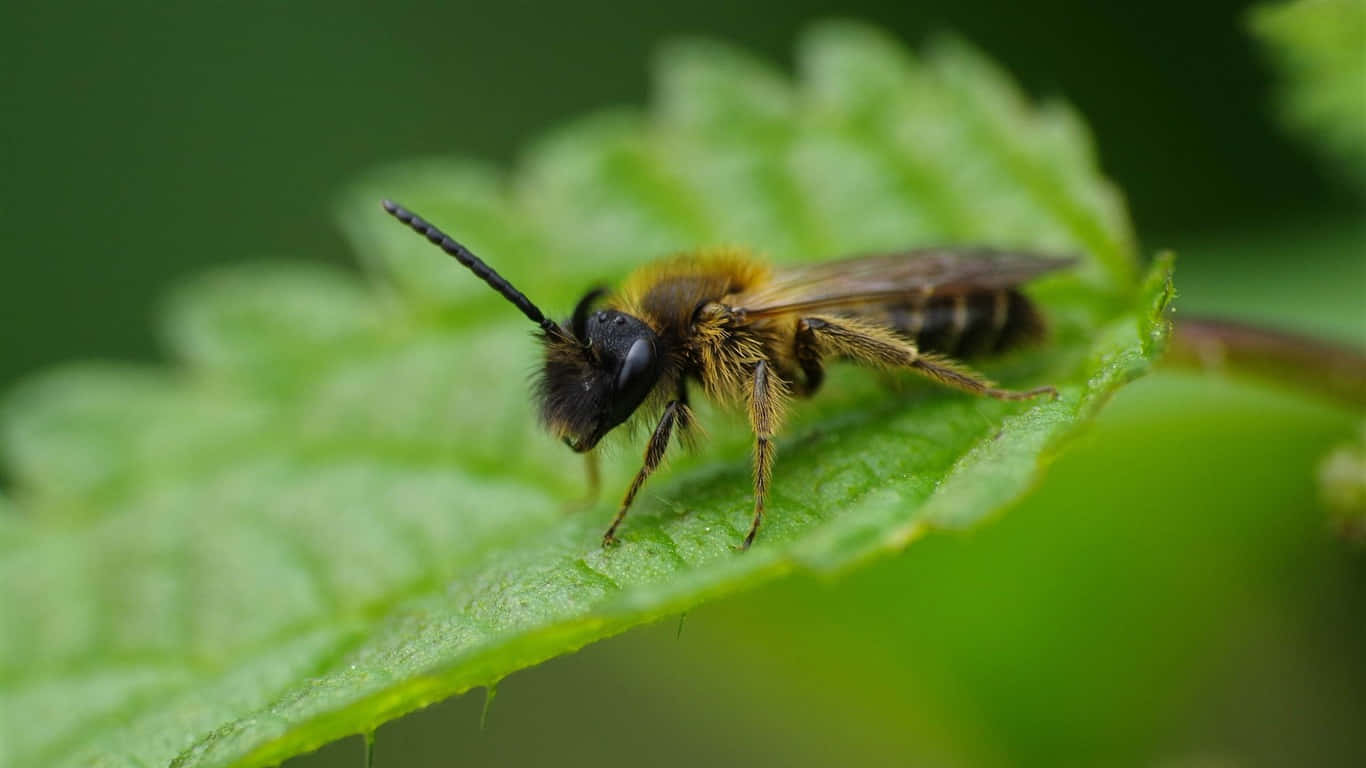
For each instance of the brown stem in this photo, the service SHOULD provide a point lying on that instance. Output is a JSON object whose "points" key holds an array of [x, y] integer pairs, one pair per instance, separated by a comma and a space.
{"points": [[1335, 370]]}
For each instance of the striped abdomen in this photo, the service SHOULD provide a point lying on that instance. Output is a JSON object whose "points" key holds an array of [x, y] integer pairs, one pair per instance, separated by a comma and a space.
{"points": [[967, 324]]}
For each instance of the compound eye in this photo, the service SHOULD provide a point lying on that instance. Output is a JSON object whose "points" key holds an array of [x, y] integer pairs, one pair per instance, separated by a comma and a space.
{"points": [[640, 358]]}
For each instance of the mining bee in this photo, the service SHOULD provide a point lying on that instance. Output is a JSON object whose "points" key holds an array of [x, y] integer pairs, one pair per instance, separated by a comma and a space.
{"points": [[756, 335]]}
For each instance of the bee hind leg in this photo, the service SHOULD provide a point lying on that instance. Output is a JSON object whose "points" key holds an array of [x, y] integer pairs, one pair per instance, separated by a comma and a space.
{"points": [[806, 349], [953, 374], [881, 347]]}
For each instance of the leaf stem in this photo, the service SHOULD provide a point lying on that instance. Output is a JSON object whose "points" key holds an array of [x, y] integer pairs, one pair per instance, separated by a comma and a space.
{"points": [[1323, 367]]}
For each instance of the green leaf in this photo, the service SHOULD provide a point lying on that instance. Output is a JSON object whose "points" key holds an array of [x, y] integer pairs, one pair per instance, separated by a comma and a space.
{"points": [[338, 508], [1320, 48]]}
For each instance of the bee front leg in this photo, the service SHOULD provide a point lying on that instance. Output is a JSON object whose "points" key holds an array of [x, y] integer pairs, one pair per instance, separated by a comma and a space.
{"points": [[593, 483], [765, 412], [590, 468], [675, 413]]}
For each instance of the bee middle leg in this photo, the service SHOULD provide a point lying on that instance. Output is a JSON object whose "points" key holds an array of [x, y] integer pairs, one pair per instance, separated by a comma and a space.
{"points": [[765, 413], [879, 346], [676, 414]]}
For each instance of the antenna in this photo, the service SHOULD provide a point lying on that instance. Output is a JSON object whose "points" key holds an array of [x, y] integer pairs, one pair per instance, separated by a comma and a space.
{"points": [[578, 323], [478, 267]]}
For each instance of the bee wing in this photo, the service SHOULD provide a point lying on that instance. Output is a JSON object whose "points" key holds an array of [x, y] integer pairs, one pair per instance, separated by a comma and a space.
{"points": [[909, 276]]}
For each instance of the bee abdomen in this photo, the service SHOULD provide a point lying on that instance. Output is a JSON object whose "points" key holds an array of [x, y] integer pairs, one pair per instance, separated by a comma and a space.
{"points": [[969, 324]]}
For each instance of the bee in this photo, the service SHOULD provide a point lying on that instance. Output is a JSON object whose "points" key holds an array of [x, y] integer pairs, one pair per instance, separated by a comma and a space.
{"points": [[754, 335]]}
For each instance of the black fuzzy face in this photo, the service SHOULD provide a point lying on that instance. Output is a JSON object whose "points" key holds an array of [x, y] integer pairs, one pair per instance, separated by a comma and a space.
{"points": [[595, 381]]}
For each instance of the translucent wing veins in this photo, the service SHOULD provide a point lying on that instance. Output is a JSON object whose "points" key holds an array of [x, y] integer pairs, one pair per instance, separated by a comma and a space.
{"points": [[890, 278]]}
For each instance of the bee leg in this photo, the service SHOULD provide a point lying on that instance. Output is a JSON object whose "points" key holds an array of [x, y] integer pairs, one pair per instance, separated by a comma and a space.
{"points": [[765, 412], [594, 483], [683, 421], [807, 351], [954, 374], [878, 346], [675, 412], [590, 468]]}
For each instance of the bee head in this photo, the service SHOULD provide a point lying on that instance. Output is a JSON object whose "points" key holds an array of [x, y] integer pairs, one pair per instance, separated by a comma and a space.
{"points": [[596, 376], [597, 371]]}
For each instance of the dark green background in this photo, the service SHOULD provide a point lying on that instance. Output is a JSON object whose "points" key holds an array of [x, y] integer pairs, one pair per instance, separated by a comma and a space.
{"points": [[1171, 596], [145, 141]]}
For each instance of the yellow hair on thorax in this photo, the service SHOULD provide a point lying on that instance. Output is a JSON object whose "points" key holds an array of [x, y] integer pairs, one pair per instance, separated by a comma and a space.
{"points": [[710, 273]]}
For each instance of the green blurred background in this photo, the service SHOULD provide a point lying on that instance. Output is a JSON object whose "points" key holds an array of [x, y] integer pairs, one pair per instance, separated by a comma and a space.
{"points": [[1171, 596], [145, 141]]}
